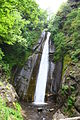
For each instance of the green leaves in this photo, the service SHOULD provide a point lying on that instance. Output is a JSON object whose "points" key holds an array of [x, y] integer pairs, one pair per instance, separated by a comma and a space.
{"points": [[1, 54], [14, 15], [65, 31], [7, 113], [60, 44], [19, 21], [10, 23]]}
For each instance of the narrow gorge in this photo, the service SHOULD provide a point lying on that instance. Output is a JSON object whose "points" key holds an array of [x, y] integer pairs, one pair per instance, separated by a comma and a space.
{"points": [[39, 60], [38, 82], [40, 67]]}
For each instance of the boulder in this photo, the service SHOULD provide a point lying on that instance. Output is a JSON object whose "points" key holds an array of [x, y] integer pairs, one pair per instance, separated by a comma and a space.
{"points": [[77, 103], [58, 115], [40, 109], [8, 93]]}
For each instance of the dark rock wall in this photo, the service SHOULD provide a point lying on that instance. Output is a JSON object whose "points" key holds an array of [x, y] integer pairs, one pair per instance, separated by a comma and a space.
{"points": [[22, 80], [25, 82], [24, 77], [57, 74], [32, 84], [51, 66]]}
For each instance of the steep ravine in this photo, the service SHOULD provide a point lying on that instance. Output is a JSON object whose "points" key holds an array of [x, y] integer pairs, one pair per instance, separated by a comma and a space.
{"points": [[25, 83], [62, 95], [63, 88], [65, 104]]}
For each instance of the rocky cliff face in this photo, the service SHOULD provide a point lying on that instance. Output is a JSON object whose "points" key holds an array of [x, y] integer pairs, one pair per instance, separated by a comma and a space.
{"points": [[69, 94], [25, 82], [22, 80], [8, 93], [71, 88]]}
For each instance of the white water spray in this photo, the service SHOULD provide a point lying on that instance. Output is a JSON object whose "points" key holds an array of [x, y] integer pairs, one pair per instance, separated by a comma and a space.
{"points": [[42, 75]]}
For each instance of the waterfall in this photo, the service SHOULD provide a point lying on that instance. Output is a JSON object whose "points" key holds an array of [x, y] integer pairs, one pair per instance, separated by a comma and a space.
{"points": [[42, 75]]}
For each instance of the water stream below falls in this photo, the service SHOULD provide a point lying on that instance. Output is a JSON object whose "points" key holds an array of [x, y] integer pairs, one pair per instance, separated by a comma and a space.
{"points": [[39, 97]]}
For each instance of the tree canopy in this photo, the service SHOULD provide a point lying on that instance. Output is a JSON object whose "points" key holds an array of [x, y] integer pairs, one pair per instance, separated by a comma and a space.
{"points": [[65, 31], [19, 20]]}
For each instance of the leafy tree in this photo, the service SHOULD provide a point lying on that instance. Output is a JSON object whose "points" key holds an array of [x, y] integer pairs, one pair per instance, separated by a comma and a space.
{"points": [[65, 30], [19, 20]]}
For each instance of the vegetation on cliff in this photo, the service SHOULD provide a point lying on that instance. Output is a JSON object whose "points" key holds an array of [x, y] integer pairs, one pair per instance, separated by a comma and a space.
{"points": [[7, 113], [21, 23], [65, 33]]}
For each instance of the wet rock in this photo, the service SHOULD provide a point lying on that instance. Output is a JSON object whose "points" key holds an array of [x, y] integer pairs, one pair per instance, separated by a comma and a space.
{"points": [[35, 47], [56, 80], [23, 79], [44, 118], [58, 115], [51, 67], [76, 113], [52, 48], [40, 109], [51, 110], [77, 103]]}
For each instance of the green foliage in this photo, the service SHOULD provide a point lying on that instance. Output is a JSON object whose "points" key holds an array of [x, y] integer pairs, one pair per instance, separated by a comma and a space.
{"points": [[70, 102], [65, 33], [6, 69], [21, 23], [70, 92], [65, 89], [7, 113], [18, 107], [65, 30], [60, 45], [66, 62]]}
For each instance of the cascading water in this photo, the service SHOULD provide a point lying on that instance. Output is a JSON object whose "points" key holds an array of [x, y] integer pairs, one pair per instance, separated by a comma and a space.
{"points": [[42, 75]]}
